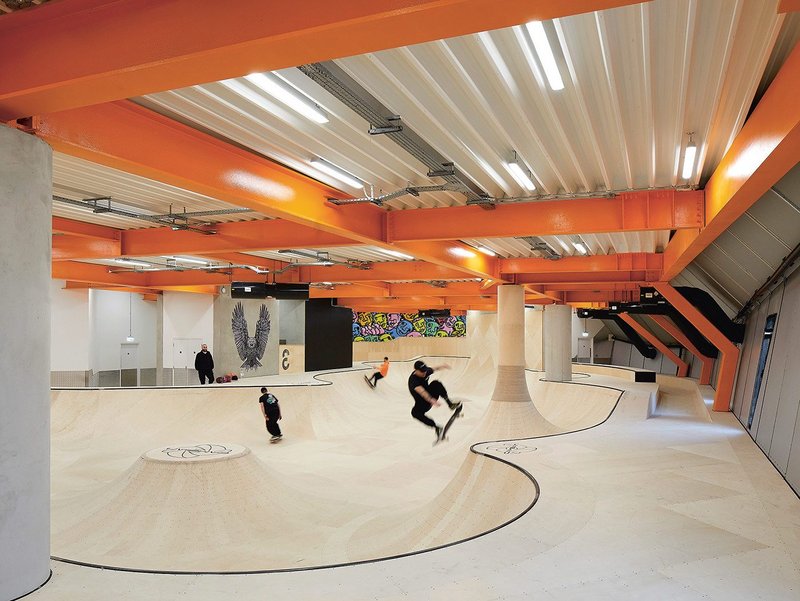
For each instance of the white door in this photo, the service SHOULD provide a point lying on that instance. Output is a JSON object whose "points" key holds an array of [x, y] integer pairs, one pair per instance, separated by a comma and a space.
{"points": [[183, 352], [585, 348], [129, 364]]}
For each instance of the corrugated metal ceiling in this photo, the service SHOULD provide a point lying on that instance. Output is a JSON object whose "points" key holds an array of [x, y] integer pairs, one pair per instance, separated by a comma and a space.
{"points": [[637, 79]]}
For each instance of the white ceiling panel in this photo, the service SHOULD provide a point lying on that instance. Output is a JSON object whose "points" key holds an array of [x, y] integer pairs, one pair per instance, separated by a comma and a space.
{"points": [[78, 179], [637, 79]]}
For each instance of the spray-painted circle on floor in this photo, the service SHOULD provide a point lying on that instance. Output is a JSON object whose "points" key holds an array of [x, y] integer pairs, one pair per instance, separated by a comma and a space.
{"points": [[510, 448], [194, 453]]}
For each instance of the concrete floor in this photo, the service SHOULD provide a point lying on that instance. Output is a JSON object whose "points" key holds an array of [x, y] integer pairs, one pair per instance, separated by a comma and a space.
{"points": [[682, 505]]}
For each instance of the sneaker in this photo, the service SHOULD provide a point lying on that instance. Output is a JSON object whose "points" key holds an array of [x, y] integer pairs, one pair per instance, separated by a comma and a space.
{"points": [[275, 437], [439, 432], [453, 405]]}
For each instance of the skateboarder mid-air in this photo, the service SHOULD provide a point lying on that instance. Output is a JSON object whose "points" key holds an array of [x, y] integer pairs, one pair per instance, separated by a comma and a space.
{"points": [[272, 414], [426, 394]]}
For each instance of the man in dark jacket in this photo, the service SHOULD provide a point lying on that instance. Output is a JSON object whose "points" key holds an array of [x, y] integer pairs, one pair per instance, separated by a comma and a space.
{"points": [[204, 364]]}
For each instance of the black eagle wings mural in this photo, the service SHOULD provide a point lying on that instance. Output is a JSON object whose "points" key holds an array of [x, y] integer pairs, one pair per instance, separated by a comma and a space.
{"points": [[251, 348]]}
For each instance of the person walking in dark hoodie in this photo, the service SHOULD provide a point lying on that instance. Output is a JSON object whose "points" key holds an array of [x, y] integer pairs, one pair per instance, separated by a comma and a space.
{"points": [[204, 364]]}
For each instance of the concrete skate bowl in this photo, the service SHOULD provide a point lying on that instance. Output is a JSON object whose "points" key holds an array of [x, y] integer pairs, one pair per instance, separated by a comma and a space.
{"points": [[354, 480]]}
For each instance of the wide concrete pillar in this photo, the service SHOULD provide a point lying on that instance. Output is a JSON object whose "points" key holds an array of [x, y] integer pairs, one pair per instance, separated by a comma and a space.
{"points": [[557, 341], [511, 384], [25, 241]]}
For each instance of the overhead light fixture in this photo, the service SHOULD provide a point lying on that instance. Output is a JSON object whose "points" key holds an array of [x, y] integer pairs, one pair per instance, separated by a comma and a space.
{"points": [[585, 332], [187, 260], [579, 246], [546, 57], [689, 157], [487, 251], [462, 252], [520, 175], [337, 173], [398, 254], [132, 262], [288, 96]]}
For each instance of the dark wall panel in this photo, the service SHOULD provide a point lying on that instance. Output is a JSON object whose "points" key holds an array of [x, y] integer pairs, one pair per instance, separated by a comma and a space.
{"points": [[329, 336]]}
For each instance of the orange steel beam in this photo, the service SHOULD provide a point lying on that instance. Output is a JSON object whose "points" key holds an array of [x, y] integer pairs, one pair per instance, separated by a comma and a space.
{"points": [[395, 270], [683, 367], [96, 274], [633, 211], [594, 263], [131, 138], [451, 289], [610, 277], [62, 225], [349, 291], [211, 289], [763, 152], [788, 6], [242, 236], [670, 328], [597, 287], [77, 247], [728, 350], [70, 54]]}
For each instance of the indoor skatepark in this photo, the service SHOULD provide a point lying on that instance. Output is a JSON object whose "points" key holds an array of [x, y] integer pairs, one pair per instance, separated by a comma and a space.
{"points": [[589, 210], [356, 481]]}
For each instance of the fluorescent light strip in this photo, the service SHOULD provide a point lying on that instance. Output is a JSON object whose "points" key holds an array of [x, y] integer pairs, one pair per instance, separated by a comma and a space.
{"points": [[132, 263], [337, 173], [397, 254], [542, 45], [487, 251], [294, 100], [579, 246], [188, 260], [518, 173], [688, 161], [462, 252]]}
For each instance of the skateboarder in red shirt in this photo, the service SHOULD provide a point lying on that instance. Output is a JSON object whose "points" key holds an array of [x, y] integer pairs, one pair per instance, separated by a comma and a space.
{"points": [[426, 394]]}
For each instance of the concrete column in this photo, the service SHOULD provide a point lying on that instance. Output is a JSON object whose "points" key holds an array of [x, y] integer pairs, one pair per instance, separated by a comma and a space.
{"points": [[511, 384], [25, 242], [557, 342]]}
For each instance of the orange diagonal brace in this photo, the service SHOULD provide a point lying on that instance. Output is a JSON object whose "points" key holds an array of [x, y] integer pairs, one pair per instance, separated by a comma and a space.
{"points": [[670, 328], [634, 211], [70, 54], [728, 350], [683, 367], [763, 152]]}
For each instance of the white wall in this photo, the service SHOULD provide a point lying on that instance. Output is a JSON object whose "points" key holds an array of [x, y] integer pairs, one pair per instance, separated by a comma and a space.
{"points": [[187, 315], [69, 326], [112, 316]]}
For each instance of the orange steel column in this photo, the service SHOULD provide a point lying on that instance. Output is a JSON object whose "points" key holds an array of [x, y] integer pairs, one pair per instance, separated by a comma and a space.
{"points": [[674, 331], [729, 351], [683, 367]]}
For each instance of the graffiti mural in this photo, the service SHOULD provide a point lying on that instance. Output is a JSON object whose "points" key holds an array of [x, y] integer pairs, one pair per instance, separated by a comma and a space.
{"points": [[378, 327]]}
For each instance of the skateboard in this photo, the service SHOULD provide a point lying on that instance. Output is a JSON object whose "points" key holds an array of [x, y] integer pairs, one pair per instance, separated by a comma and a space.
{"points": [[368, 381], [446, 429]]}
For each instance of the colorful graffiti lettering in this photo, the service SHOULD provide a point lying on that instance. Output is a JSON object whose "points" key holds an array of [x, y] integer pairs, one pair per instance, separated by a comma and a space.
{"points": [[374, 327]]}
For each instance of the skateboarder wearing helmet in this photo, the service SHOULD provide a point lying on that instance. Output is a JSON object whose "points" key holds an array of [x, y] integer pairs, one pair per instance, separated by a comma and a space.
{"points": [[426, 394]]}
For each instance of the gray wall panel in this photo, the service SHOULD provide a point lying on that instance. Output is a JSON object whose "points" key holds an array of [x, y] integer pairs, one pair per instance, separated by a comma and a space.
{"points": [[621, 355], [767, 406], [785, 438]]}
